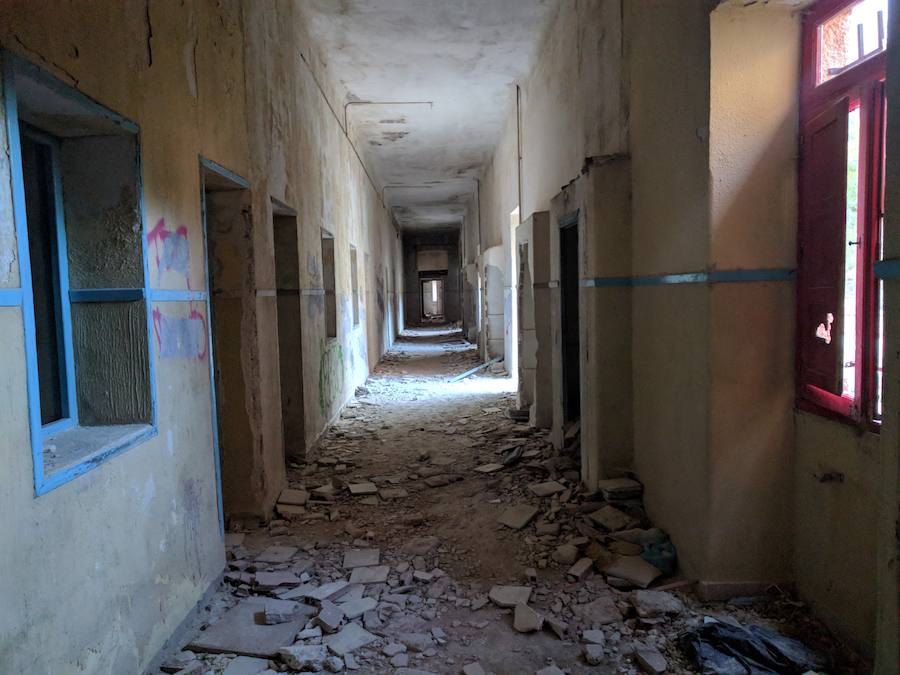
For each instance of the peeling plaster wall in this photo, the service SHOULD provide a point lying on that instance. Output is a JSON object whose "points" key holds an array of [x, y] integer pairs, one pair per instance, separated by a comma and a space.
{"points": [[136, 539]]}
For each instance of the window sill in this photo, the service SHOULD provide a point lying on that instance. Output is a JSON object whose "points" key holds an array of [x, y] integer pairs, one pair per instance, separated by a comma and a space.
{"points": [[77, 450]]}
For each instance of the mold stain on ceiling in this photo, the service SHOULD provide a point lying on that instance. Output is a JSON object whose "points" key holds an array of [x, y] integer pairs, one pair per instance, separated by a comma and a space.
{"points": [[453, 64]]}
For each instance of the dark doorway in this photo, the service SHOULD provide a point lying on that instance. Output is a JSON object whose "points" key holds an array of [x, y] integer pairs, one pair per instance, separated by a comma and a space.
{"points": [[226, 212], [568, 258], [290, 345]]}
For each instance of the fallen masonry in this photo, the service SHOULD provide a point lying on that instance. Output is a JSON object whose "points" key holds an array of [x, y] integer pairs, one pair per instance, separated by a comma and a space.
{"points": [[403, 548]]}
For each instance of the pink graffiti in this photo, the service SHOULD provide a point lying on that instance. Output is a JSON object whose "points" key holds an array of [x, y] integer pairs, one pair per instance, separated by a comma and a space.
{"points": [[177, 337], [172, 249]]}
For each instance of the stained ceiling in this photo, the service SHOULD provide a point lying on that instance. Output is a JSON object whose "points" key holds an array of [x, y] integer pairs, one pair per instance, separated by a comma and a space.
{"points": [[447, 68]]}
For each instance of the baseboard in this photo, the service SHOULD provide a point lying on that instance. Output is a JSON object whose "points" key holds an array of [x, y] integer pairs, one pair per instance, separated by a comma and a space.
{"points": [[185, 629]]}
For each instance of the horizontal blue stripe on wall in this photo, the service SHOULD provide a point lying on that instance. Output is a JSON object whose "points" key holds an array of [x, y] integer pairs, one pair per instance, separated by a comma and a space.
{"points": [[106, 294], [711, 277], [170, 295], [10, 297]]}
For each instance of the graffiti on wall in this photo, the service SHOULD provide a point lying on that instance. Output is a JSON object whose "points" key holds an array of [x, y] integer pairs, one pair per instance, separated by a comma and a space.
{"points": [[331, 373], [177, 337]]}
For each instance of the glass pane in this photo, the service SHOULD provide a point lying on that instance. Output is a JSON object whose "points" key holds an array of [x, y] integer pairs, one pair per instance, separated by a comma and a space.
{"points": [[848, 324], [851, 36], [41, 217]]}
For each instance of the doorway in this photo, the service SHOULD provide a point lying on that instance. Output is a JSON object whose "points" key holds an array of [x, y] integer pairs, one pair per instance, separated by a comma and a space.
{"points": [[433, 299], [571, 348], [227, 226], [290, 342]]}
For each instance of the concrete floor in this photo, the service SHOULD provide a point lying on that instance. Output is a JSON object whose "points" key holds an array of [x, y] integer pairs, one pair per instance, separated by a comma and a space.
{"points": [[410, 427]]}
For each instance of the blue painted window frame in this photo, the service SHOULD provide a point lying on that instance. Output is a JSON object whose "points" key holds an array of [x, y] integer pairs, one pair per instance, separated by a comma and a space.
{"points": [[60, 291], [23, 298]]}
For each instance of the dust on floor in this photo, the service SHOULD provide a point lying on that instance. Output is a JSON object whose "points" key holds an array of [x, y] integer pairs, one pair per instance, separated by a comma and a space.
{"points": [[390, 554]]}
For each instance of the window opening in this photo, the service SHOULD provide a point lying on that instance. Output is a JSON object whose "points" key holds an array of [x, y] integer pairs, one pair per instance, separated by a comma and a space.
{"points": [[328, 279], [853, 35]]}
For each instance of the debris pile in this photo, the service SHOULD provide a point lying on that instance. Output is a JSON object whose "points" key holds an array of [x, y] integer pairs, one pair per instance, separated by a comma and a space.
{"points": [[433, 533]]}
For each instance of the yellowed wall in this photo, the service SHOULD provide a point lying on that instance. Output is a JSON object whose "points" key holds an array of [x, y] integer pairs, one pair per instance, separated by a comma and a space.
{"points": [[137, 538]]}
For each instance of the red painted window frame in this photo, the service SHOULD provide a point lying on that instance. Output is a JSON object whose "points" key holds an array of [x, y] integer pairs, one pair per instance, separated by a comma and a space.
{"points": [[864, 86]]}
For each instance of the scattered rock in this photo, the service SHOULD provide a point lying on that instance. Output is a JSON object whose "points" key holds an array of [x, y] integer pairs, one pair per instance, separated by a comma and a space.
{"points": [[277, 554], [330, 617], [304, 657], [612, 518], [651, 661], [279, 611], [651, 604], [559, 627], [620, 489], [546, 489], [421, 545], [362, 488], [351, 637], [293, 497], [593, 654], [526, 620], [599, 612], [488, 468], [595, 637], [473, 669], [634, 569], [565, 554], [580, 569], [510, 596], [518, 516]]}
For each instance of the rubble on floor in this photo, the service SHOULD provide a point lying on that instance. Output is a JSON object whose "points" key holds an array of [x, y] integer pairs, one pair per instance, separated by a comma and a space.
{"points": [[431, 533]]}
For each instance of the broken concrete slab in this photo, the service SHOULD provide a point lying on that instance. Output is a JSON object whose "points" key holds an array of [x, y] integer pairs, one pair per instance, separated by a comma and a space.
{"points": [[246, 665], [356, 607], [293, 497], [330, 591], [417, 642], [557, 626], [488, 468], [238, 632], [612, 518], [473, 669], [546, 489], [651, 661], [517, 517], [362, 488], [370, 575], [304, 657], [277, 554], [650, 604], [361, 557], [392, 493], [510, 596], [267, 581], [277, 611], [438, 481], [350, 638], [620, 489], [598, 612], [291, 512], [526, 620], [581, 568], [596, 637], [330, 617], [632, 568]]}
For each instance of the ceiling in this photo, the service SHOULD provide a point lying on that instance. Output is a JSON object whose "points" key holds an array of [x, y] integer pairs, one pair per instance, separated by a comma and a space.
{"points": [[453, 63]]}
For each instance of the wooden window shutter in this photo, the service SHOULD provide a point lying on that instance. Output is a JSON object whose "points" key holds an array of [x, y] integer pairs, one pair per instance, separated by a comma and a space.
{"points": [[823, 209]]}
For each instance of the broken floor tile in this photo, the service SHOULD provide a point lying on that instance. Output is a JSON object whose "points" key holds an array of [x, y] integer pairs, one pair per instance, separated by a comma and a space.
{"points": [[329, 591], [356, 607], [370, 575], [612, 518], [488, 468], [246, 665], [361, 557], [596, 637], [351, 637], [517, 517], [510, 596], [362, 488], [238, 632], [546, 489], [580, 569], [392, 493], [267, 581], [293, 497], [593, 654], [279, 611], [620, 489], [330, 617], [651, 661], [655, 603], [277, 554], [632, 568]]}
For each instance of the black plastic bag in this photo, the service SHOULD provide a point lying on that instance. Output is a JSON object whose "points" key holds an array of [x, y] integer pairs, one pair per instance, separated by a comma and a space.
{"points": [[725, 649]]}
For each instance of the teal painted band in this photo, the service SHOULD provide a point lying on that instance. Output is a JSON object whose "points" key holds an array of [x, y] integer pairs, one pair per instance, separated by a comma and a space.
{"points": [[712, 277], [10, 297], [170, 295], [888, 269], [106, 294]]}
